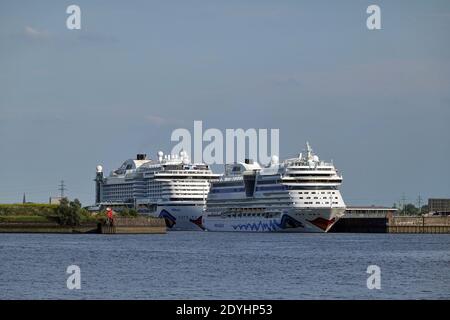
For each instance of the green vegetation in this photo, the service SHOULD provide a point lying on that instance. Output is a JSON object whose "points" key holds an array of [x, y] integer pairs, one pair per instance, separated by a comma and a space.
{"points": [[16, 218], [411, 210], [67, 213], [28, 209], [128, 213]]}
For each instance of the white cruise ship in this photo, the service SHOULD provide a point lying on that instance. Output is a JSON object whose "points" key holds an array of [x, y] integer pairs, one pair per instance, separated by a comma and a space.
{"points": [[171, 187], [298, 195]]}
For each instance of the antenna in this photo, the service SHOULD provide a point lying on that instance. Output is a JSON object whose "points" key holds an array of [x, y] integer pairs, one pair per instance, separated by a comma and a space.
{"points": [[419, 203], [403, 203], [62, 188]]}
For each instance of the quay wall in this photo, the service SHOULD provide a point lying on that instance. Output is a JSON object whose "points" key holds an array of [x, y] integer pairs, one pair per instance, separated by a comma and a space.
{"points": [[360, 225], [432, 224], [392, 224], [125, 225], [46, 227], [131, 225]]}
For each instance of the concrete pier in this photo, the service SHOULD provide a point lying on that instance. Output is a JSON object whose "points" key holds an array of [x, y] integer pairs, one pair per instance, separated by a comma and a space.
{"points": [[392, 224], [133, 225], [45, 227], [433, 224], [124, 225]]}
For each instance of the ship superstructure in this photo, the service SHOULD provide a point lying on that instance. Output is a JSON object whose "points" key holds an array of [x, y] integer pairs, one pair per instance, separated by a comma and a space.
{"points": [[171, 187], [300, 194]]}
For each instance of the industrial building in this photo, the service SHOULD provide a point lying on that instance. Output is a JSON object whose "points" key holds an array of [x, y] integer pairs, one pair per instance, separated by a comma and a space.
{"points": [[439, 206], [369, 211]]}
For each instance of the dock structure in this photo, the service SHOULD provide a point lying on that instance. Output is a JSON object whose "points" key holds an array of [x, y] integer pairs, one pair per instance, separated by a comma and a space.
{"points": [[122, 225], [46, 227], [374, 223], [360, 224], [432, 224], [364, 219], [134, 225]]}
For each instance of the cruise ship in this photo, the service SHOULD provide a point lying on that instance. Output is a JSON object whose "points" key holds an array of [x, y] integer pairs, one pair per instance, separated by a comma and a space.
{"points": [[170, 187], [298, 195]]}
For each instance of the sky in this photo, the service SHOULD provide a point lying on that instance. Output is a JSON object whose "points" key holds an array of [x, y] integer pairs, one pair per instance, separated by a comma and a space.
{"points": [[376, 102]]}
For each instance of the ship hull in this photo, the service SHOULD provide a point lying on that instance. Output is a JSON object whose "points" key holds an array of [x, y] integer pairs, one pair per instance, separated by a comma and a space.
{"points": [[299, 220], [181, 217]]}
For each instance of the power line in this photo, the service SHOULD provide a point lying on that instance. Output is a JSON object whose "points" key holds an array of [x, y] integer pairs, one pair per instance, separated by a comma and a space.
{"points": [[403, 203], [62, 188]]}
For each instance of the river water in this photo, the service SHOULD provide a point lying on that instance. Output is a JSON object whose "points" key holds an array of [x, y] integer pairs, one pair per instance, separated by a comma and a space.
{"points": [[202, 265]]}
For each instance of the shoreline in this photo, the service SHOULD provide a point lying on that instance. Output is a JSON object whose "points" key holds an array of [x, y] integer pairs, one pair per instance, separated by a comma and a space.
{"points": [[135, 225], [151, 225]]}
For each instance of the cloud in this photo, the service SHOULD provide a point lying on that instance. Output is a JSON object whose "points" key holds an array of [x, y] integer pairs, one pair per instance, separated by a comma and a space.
{"points": [[160, 121], [389, 78], [34, 33]]}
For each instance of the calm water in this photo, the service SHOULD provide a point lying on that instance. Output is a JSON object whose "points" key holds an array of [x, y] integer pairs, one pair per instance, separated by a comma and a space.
{"points": [[200, 265]]}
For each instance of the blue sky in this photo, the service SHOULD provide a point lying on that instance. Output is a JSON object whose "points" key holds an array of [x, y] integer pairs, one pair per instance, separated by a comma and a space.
{"points": [[376, 102]]}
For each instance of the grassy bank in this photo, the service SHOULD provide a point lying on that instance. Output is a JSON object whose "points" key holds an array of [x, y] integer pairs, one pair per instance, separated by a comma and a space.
{"points": [[28, 209], [68, 213], [17, 218], [70, 217]]}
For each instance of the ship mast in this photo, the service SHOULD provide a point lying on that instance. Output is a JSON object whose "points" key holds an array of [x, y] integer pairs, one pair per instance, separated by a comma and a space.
{"points": [[308, 151]]}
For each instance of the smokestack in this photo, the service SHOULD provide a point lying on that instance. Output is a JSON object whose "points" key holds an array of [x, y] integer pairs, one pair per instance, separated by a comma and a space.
{"points": [[141, 156]]}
